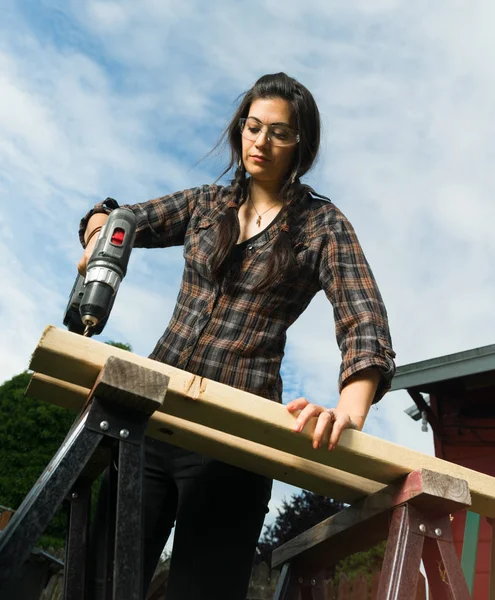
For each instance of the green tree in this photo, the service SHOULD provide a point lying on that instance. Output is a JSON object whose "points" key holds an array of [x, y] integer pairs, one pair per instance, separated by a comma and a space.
{"points": [[31, 432], [295, 516], [303, 511], [120, 345], [366, 562]]}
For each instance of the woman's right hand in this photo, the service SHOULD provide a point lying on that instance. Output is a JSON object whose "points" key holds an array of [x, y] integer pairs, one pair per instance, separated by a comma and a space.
{"points": [[88, 251]]}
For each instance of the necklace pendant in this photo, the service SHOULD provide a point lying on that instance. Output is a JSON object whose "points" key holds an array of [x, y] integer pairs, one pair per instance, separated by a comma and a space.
{"points": [[258, 221]]}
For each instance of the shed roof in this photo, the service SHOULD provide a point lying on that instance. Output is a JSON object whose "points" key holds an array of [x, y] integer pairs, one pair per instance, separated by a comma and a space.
{"points": [[425, 375]]}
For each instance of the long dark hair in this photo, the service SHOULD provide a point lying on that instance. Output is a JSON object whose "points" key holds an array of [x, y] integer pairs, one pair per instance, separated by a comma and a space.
{"points": [[307, 122]]}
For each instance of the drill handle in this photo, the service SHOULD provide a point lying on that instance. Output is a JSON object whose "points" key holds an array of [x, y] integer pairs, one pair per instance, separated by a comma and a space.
{"points": [[115, 242], [72, 318]]}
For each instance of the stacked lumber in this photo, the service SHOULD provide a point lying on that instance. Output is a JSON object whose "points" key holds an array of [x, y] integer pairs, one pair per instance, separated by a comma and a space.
{"points": [[241, 428]]}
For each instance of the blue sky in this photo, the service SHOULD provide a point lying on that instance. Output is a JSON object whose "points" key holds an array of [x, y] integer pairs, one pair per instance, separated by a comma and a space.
{"points": [[125, 99]]}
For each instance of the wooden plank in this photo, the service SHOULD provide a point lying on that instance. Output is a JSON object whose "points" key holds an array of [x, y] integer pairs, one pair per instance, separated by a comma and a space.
{"points": [[344, 588], [359, 587], [5, 517], [402, 558], [449, 581], [131, 385], [366, 523], [421, 589], [375, 582], [283, 466], [329, 590], [78, 360]]}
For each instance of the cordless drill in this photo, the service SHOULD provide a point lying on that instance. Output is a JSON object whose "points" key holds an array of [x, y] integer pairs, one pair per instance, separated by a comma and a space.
{"points": [[92, 297]]}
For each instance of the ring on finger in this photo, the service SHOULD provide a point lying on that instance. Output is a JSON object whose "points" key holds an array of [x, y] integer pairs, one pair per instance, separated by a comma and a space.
{"points": [[330, 412]]}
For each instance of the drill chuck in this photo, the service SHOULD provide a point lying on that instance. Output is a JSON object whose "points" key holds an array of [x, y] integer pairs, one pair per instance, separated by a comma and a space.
{"points": [[101, 285], [95, 303]]}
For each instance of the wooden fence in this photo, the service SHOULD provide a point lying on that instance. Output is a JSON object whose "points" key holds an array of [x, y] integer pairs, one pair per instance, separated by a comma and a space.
{"points": [[263, 584], [263, 587], [364, 588]]}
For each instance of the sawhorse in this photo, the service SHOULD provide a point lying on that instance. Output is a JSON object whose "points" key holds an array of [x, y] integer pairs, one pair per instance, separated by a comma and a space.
{"points": [[415, 516], [111, 427]]}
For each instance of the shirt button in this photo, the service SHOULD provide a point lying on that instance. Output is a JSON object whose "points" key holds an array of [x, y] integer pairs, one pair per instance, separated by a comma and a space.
{"points": [[250, 248]]}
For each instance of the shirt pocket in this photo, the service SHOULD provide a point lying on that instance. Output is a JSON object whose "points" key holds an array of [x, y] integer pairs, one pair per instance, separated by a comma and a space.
{"points": [[296, 280], [305, 272], [199, 244], [299, 249]]}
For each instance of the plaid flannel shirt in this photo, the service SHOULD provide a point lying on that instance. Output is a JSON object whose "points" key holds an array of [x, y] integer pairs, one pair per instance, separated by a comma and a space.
{"points": [[237, 336]]}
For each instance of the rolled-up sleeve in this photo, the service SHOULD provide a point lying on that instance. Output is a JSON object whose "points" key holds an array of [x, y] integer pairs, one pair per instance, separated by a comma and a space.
{"points": [[361, 322], [161, 222]]}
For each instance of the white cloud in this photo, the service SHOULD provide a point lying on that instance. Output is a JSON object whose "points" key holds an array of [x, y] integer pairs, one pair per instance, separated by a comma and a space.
{"points": [[123, 98], [23, 300]]}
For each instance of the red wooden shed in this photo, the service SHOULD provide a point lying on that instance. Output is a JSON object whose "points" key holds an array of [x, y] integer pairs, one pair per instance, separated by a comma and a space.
{"points": [[455, 394]]}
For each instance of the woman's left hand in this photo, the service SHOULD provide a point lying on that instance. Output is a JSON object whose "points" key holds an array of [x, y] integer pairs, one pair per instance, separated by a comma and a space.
{"points": [[330, 425]]}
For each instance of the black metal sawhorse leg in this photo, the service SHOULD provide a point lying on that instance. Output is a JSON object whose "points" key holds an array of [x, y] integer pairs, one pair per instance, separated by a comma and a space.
{"points": [[117, 413]]}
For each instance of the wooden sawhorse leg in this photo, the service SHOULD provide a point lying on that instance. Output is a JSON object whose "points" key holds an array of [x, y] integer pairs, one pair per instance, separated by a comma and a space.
{"points": [[416, 535], [419, 507]]}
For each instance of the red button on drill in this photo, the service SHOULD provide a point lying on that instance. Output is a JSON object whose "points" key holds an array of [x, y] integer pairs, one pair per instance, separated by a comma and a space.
{"points": [[117, 236]]}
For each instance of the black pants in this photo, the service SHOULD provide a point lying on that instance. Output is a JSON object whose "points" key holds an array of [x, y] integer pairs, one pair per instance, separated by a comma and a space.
{"points": [[218, 512]]}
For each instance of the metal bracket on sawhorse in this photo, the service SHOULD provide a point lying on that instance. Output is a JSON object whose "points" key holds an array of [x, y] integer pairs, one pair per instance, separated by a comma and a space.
{"points": [[414, 514], [111, 427], [417, 534]]}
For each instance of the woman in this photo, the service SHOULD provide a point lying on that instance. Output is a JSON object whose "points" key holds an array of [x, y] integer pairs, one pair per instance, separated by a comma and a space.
{"points": [[256, 252]]}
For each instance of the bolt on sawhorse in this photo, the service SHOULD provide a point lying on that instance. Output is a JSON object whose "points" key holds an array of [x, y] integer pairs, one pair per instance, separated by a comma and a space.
{"points": [[372, 475], [110, 428]]}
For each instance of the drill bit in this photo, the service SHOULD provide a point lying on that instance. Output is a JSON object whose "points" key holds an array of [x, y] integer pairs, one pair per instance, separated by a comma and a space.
{"points": [[86, 330]]}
